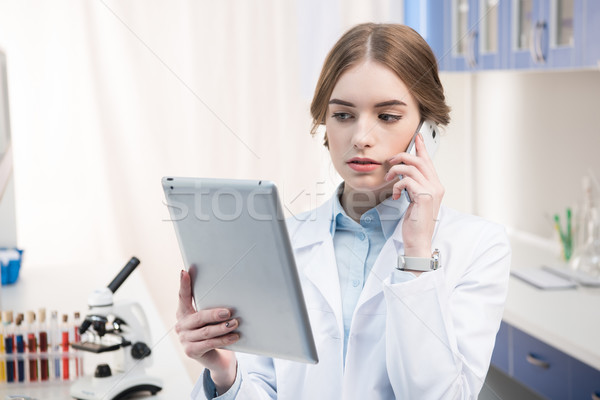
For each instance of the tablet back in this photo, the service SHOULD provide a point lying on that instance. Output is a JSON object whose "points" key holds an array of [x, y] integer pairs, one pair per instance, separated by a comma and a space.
{"points": [[234, 242]]}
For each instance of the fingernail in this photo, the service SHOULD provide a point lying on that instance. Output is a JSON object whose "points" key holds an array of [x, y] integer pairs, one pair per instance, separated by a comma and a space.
{"points": [[223, 314], [421, 136], [181, 275], [233, 338], [230, 324]]}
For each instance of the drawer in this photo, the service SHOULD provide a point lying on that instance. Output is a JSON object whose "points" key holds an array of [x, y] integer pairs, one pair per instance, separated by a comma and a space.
{"points": [[585, 380], [542, 368], [500, 356]]}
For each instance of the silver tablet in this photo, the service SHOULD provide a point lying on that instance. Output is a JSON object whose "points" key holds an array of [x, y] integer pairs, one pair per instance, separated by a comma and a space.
{"points": [[235, 244]]}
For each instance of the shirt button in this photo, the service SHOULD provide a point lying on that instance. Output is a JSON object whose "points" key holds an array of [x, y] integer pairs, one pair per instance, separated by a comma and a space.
{"points": [[355, 282], [361, 236], [368, 220]]}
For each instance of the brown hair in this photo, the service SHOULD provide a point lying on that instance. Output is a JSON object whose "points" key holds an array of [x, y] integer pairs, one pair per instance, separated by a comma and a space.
{"points": [[399, 48]]}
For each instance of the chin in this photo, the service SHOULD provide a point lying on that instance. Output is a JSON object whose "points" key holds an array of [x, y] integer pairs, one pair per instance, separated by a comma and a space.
{"points": [[369, 185]]}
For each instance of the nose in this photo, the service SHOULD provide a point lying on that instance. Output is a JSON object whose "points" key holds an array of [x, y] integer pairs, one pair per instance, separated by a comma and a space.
{"points": [[364, 135]]}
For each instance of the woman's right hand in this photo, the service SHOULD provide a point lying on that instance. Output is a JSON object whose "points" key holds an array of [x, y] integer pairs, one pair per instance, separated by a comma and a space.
{"points": [[202, 334]]}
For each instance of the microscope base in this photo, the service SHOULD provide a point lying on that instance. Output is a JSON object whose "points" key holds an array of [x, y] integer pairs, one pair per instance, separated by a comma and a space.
{"points": [[114, 387]]}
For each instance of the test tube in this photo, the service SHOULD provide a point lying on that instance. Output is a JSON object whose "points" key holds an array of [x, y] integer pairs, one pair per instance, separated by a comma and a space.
{"points": [[20, 345], [32, 344], [43, 340], [2, 352], [9, 344], [54, 343], [76, 339], [65, 347]]}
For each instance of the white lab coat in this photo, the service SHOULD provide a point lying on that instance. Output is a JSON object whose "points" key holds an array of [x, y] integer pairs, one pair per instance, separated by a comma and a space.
{"points": [[427, 338]]}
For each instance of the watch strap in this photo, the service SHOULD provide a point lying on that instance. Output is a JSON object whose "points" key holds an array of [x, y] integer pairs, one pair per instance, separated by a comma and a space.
{"points": [[422, 264]]}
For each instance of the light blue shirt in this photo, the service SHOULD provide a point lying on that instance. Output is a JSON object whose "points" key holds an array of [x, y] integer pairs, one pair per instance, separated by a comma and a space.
{"points": [[357, 246]]}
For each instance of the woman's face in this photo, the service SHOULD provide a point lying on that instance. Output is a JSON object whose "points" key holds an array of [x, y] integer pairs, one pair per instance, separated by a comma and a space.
{"points": [[371, 117]]}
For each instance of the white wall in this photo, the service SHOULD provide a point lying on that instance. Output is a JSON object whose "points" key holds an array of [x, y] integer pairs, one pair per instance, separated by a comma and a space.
{"points": [[535, 136], [108, 97]]}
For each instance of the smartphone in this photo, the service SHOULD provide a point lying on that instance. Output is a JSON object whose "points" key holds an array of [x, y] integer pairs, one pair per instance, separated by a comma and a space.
{"points": [[431, 136]]}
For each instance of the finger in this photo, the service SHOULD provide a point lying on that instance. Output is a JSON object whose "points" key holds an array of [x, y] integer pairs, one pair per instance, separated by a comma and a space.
{"points": [[424, 165], [185, 306], [208, 332], [414, 189], [201, 318], [198, 349], [421, 148], [400, 186], [404, 170]]}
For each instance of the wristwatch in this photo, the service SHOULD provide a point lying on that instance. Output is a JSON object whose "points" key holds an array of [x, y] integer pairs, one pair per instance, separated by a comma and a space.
{"points": [[423, 264]]}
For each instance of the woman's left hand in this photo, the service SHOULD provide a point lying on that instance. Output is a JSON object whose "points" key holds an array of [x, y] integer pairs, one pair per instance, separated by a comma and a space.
{"points": [[420, 180]]}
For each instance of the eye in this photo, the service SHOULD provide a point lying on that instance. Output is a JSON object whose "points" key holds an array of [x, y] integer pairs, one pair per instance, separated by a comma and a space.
{"points": [[342, 116], [389, 117]]}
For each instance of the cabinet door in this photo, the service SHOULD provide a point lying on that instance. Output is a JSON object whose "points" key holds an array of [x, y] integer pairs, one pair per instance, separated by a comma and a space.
{"points": [[585, 381], [565, 33], [539, 366], [527, 46], [501, 354], [460, 35], [492, 34], [590, 48]]}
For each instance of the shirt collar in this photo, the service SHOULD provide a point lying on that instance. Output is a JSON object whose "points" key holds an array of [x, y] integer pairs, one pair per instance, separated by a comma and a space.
{"points": [[389, 211]]}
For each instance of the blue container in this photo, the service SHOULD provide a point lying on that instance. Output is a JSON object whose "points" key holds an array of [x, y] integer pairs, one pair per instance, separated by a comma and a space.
{"points": [[10, 263]]}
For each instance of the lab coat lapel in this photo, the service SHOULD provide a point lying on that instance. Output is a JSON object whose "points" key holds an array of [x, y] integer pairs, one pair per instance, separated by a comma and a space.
{"points": [[313, 242]]}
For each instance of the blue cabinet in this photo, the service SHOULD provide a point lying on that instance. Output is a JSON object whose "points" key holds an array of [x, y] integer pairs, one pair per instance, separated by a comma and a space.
{"points": [[474, 35], [542, 368], [585, 381], [546, 33]]}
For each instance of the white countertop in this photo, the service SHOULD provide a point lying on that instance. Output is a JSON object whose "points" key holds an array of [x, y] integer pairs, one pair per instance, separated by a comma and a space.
{"points": [[66, 289], [568, 320]]}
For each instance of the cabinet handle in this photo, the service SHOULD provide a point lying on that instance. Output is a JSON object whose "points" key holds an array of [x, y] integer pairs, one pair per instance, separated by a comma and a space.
{"points": [[595, 396], [533, 360], [539, 27], [532, 42]]}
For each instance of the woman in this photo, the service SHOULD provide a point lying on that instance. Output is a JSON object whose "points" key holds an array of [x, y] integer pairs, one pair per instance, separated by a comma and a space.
{"points": [[381, 332]]}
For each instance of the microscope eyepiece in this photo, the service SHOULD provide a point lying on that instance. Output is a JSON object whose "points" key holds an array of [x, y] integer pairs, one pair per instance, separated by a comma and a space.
{"points": [[125, 272]]}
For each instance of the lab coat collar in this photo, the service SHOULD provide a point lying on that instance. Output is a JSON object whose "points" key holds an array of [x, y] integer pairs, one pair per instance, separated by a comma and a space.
{"points": [[315, 225]]}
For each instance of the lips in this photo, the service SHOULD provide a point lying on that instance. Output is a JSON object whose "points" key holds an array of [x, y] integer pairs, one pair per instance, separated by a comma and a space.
{"points": [[360, 164], [363, 161]]}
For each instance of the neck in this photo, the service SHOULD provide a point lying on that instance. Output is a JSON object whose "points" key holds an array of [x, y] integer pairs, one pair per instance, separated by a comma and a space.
{"points": [[356, 203]]}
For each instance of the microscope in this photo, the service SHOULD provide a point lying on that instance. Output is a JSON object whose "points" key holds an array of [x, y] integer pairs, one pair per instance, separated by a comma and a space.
{"points": [[122, 329]]}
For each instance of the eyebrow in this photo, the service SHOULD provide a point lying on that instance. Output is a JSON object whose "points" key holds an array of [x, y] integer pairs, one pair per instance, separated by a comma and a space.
{"points": [[382, 104]]}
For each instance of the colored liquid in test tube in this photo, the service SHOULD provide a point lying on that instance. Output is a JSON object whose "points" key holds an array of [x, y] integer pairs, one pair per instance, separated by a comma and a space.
{"points": [[43, 341], [32, 347], [65, 348], [20, 342]]}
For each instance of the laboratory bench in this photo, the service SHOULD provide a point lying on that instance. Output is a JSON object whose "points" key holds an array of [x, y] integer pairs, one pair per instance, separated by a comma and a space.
{"points": [[66, 289], [548, 339]]}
